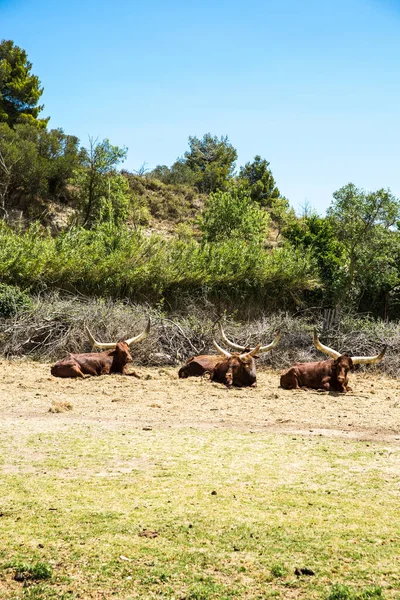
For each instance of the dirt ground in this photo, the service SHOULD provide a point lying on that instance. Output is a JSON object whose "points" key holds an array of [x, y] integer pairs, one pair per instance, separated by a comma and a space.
{"points": [[160, 400]]}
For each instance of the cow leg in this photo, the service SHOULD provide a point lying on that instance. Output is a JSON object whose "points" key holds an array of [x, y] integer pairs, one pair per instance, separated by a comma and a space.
{"points": [[221, 377], [133, 374], [67, 369], [325, 385], [346, 386], [77, 372]]}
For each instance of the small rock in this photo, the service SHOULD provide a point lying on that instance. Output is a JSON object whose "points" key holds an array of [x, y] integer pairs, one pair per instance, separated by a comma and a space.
{"points": [[19, 576], [213, 493]]}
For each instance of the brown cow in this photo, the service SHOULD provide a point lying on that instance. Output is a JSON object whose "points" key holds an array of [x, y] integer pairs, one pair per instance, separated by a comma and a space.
{"points": [[114, 358], [329, 375], [237, 369]]}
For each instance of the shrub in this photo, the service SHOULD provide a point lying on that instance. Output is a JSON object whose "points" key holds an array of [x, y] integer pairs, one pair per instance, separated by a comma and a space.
{"points": [[233, 215], [12, 300]]}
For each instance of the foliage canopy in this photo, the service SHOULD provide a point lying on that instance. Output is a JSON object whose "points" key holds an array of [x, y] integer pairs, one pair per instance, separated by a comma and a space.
{"points": [[20, 90]]}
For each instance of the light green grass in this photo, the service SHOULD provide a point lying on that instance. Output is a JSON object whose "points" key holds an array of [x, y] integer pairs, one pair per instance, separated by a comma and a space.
{"points": [[78, 502]]}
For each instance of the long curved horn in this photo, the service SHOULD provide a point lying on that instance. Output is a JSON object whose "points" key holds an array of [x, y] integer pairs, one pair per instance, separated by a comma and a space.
{"points": [[325, 349], [272, 344], [238, 347], [365, 360], [221, 350], [141, 336], [96, 344], [253, 352], [231, 344], [111, 345], [357, 360]]}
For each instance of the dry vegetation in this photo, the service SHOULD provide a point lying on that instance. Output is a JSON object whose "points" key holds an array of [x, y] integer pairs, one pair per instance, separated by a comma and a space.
{"points": [[55, 325]]}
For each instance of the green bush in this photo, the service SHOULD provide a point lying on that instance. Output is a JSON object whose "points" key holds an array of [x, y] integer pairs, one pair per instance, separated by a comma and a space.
{"points": [[121, 263], [233, 215], [12, 300]]}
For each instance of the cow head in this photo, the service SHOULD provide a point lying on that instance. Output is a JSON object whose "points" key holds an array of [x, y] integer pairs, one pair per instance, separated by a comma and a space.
{"points": [[236, 369], [342, 365], [121, 353], [239, 368], [343, 362]]}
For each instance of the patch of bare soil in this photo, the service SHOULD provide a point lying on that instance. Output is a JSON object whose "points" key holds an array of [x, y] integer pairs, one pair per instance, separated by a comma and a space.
{"points": [[160, 400]]}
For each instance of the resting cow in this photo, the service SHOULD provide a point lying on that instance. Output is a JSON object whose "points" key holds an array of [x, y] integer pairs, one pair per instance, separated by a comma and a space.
{"points": [[329, 375], [237, 369], [114, 358]]}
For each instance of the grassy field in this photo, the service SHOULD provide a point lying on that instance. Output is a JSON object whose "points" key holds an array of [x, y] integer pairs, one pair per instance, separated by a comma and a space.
{"points": [[190, 514]]}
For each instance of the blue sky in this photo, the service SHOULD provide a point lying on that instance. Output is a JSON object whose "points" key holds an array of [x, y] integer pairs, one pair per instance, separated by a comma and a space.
{"points": [[312, 86]]}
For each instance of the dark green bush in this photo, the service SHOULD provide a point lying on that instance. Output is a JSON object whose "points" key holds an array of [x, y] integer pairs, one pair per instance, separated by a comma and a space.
{"points": [[12, 300]]}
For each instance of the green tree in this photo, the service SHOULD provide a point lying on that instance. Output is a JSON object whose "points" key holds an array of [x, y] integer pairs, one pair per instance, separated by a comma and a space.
{"points": [[20, 90], [257, 177], [317, 235], [366, 225], [35, 164], [180, 173], [233, 215], [21, 174], [260, 181], [61, 155], [101, 192], [212, 160]]}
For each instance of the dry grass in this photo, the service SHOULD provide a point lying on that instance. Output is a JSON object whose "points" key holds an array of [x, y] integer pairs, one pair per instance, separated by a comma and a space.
{"points": [[55, 326], [60, 407]]}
